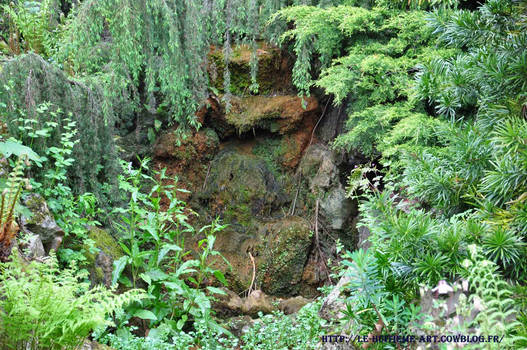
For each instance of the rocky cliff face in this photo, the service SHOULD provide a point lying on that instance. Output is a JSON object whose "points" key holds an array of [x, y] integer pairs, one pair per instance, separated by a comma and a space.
{"points": [[260, 166]]}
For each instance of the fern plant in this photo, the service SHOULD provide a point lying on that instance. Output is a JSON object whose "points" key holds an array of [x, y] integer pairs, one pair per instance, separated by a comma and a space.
{"points": [[497, 314], [31, 26], [8, 201], [42, 307], [11, 189]]}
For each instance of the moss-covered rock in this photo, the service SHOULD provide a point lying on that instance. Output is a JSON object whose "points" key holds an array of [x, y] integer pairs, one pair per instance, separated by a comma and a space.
{"points": [[41, 222], [277, 114], [274, 74], [283, 256], [279, 249], [100, 254], [241, 186]]}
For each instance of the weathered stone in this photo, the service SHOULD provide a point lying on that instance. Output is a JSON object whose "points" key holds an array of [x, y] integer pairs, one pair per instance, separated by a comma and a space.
{"points": [[41, 222], [257, 302], [319, 167], [334, 305], [33, 247], [228, 305], [336, 207], [292, 305], [277, 114]]}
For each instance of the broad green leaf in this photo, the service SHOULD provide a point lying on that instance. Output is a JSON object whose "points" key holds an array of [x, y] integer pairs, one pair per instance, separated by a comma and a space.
{"points": [[145, 315], [165, 250], [219, 275], [118, 267], [7, 148], [156, 274], [215, 290]]}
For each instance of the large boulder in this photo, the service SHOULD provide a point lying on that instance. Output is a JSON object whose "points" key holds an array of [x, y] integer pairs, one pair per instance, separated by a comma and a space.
{"points": [[269, 256], [282, 258], [319, 168], [241, 186], [41, 222]]}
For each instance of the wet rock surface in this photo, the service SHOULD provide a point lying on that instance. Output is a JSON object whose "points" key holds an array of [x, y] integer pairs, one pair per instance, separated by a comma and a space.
{"points": [[274, 70], [244, 181], [260, 167], [276, 114]]}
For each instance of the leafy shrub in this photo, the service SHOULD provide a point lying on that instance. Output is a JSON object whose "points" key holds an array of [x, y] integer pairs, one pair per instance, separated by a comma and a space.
{"points": [[152, 238], [32, 26]]}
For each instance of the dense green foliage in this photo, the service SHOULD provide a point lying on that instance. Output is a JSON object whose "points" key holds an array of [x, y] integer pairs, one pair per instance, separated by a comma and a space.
{"points": [[434, 91], [152, 239], [41, 309], [366, 58], [439, 100], [51, 107]]}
